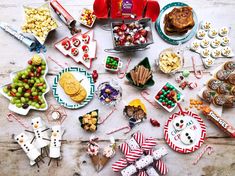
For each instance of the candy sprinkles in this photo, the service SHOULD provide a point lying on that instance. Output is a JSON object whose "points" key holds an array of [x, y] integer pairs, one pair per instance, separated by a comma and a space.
{"points": [[117, 88]]}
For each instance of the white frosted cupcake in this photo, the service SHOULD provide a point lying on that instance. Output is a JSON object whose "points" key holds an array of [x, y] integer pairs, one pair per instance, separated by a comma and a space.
{"points": [[205, 53], [201, 34], [226, 51], [216, 42], [206, 26], [205, 43], [213, 33], [225, 41], [215, 53], [195, 45], [223, 31]]}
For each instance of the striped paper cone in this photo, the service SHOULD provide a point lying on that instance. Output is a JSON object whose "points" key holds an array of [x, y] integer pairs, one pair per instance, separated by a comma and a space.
{"points": [[119, 165]]}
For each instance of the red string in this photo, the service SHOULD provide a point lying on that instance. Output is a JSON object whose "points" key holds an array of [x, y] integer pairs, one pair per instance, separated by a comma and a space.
{"points": [[145, 92]]}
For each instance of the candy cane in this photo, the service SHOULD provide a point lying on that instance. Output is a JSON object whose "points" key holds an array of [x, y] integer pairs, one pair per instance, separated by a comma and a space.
{"points": [[125, 149], [181, 110], [119, 165], [119, 129], [60, 65], [207, 148], [102, 120], [197, 73], [123, 73], [11, 115], [142, 173], [161, 167], [151, 102]]}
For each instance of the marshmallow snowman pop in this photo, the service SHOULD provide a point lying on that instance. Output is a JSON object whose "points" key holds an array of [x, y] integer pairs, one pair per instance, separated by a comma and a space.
{"points": [[55, 143], [31, 151], [40, 134]]}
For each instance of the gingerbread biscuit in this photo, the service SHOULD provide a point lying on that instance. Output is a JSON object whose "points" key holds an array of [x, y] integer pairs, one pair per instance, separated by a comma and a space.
{"points": [[80, 96], [65, 77], [72, 87]]}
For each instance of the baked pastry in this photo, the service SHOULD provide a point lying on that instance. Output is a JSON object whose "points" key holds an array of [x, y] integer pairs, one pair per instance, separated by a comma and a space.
{"points": [[231, 79], [219, 100], [229, 101], [224, 88], [223, 74], [229, 66], [179, 21], [214, 84], [208, 95]]}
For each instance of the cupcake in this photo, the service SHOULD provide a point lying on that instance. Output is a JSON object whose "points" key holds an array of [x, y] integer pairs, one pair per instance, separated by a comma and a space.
{"points": [[229, 101], [219, 100], [206, 26], [224, 88], [226, 51], [225, 41], [215, 42], [215, 53], [223, 31], [205, 52], [208, 95], [195, 45], [213, 33], [230, 66], [205, 43], [201, 34], [231, 79]]}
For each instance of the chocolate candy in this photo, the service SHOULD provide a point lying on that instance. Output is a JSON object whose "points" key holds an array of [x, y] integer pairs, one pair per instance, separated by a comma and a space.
{"points": [[214, 84], [168, 96], [230, 66], [208, 95], [222, 74], [219, 100], [218, 121], [224, 88], [112, 63], [231, 79], [130, 34]]}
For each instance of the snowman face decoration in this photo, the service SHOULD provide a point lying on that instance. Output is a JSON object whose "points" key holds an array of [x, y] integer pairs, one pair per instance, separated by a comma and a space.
{"points": [[187, 136], [179, 123], [86, 38], [37, 123], [56, 132], [22, 138]]}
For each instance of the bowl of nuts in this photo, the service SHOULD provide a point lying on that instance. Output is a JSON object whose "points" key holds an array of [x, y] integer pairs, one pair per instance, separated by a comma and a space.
{"points": [[39, 22]]}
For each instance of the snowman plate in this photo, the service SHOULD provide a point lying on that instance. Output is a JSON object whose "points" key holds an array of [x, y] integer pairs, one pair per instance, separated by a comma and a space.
{"points": [[185, 134], [174, 39], [22, 111], [85, 80]]}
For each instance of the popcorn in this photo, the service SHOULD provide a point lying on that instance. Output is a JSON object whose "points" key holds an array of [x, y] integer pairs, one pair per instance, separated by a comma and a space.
{"points": [[39, 22]]}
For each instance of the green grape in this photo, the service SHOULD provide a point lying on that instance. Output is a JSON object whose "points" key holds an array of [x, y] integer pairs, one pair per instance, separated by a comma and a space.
{"points": [[43, 105], [40, 87], [32, 81], [14, 90], [5, 89], [43, 62], [41, 80], [13, 85], [34, 93], [37, 81], [37, 105], [18, 94], [18, 105], [8, 93], [12, 101], [26, 94], [44, 86], [23, 76], [22, 99], [20, 84], [20, 89], [43, 90], [33, 89], [43, 67], [26, 86], [17, 101], [30, 103], [40, 93]]}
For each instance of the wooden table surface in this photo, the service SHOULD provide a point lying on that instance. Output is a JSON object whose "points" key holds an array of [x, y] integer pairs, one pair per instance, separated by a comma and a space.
{"points": [[14, 56]]}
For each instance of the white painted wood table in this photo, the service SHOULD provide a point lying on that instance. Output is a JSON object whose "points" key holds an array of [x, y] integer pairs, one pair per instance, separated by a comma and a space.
{"points": [[75, 161]]}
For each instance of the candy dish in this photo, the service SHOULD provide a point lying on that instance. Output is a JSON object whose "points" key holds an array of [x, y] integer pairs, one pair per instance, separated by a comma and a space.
{"points": [[46, 22], [85, 80], [89, 121], [168, 97], [112, 63], [87, 17], [109, 93], [21, 108], [174, 39], [150, 82], [131, 35]]}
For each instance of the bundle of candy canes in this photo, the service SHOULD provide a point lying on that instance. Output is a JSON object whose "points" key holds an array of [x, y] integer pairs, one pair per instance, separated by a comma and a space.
{"points": [[141, 157]]}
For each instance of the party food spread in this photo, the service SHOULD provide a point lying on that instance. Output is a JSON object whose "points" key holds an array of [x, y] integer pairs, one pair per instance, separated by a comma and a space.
{"points": [[28, 85], [89, 121], [72, 87], [179, 21], [39, 22]]}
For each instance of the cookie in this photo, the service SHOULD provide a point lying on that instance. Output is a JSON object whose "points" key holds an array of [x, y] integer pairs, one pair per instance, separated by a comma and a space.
{"points": [[208, 95], [214, 84], [231, 79], [223, 74], [230, 66], [72, 87], [229, 101], [219, 100], [224, 88], [79, 97], [65, 77], [187, 136], [179, 123]]}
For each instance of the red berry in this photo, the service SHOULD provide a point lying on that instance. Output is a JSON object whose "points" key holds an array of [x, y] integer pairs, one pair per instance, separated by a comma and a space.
{"points": [[157, 97], [30, 62]]}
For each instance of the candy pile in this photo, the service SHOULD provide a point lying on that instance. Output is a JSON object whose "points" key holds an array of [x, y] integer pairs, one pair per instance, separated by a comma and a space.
{"points": [[131, 34], [87, 17], [140, 75], [29, 85], [168, 96], [107, 94], [39, 22], [194, 103], [112, 63], [89, 121]]}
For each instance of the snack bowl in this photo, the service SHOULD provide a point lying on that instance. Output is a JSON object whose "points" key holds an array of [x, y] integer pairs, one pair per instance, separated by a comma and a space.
{"points": [[57, 24], [21, 110], [109, 93], [150, 82], [83, 13], [112, 63], [89, 121], [168, 97], [170, 60]]}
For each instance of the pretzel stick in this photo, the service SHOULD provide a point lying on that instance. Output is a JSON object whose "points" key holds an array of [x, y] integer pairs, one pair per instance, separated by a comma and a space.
{"points": [[142, 77], [133, 76], [141, 72]]}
